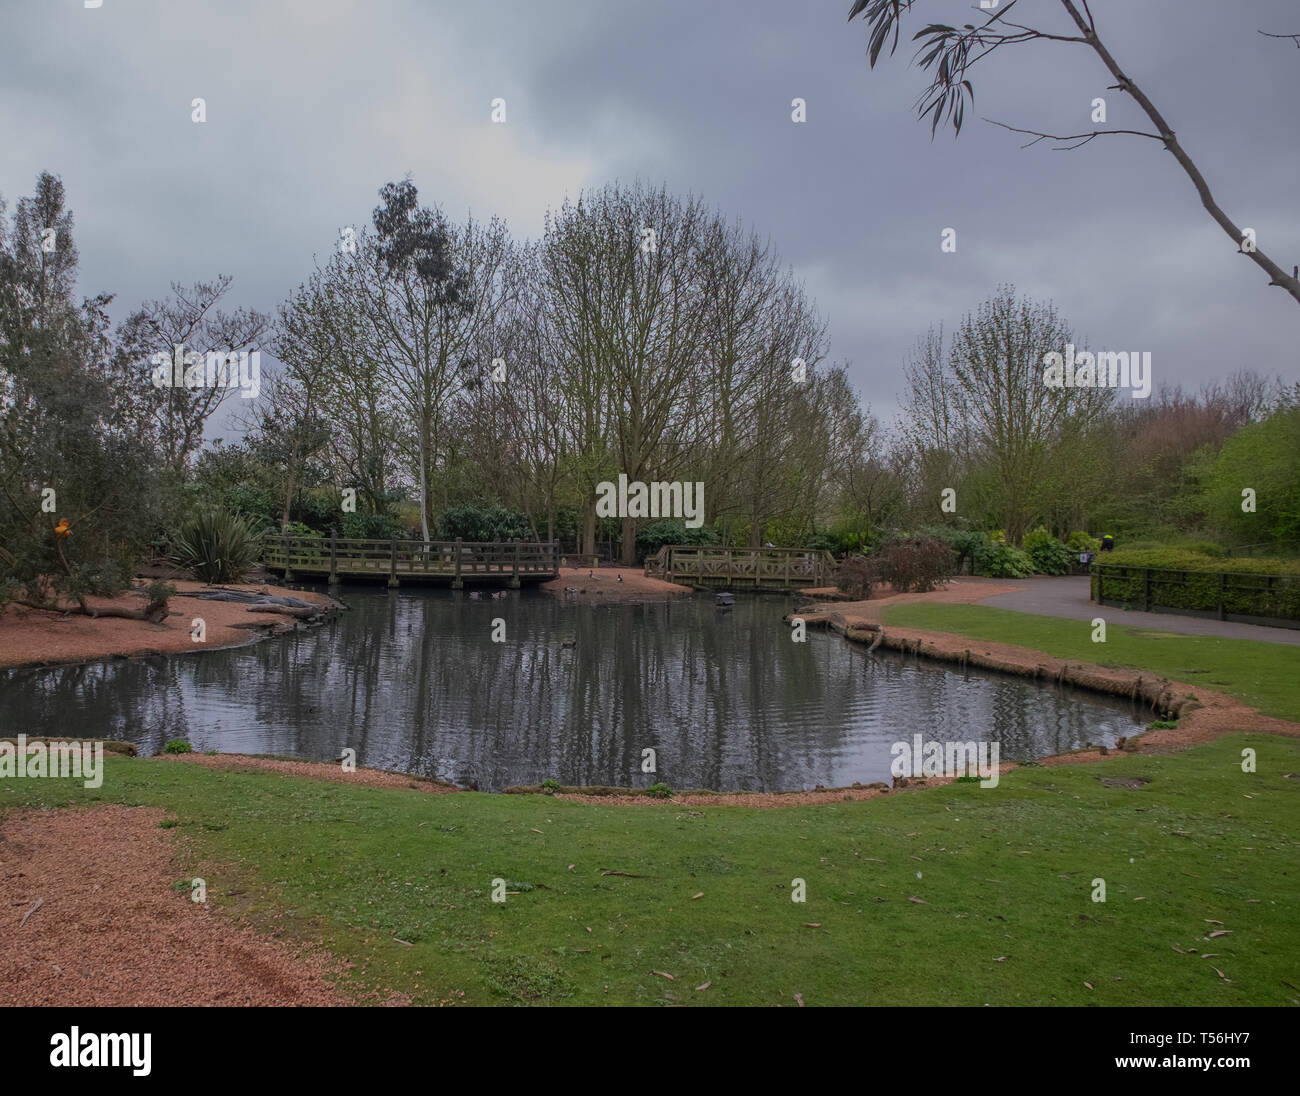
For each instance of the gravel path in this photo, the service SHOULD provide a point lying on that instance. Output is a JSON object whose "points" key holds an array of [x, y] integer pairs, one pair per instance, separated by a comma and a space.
{"points": [[109, 929]]}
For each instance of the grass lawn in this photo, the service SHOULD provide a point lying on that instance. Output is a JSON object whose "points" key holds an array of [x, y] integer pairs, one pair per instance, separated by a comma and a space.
{"points": [[1003, 876], [1264, 675]]}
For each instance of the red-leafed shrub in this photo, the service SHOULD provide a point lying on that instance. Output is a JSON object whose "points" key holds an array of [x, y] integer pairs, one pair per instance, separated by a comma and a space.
{"points": [[916, 565], [856, 576]]}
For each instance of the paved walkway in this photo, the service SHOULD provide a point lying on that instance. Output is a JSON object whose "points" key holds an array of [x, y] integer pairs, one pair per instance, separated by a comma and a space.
{"points": [[1067, 596]]}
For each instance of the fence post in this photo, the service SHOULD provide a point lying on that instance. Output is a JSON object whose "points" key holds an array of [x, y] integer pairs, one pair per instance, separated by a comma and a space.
{"points": [[334, 563], [1222, 582], [457, 583], [514, 581], [288, 573], [392, 563], [1146, 588], [1101, 578]]}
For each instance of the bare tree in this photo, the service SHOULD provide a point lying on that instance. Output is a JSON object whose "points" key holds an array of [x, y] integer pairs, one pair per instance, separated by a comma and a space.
{"points": [[191, 320]]}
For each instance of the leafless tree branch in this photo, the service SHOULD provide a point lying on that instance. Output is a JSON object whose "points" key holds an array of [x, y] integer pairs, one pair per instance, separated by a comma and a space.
{"points": [[1080, 138]]}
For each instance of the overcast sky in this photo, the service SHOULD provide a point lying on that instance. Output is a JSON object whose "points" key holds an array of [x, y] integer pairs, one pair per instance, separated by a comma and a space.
{"points": [[312, 105]]}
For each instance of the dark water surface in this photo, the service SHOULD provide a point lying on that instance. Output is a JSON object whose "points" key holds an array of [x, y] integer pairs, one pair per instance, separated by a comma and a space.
{"points": [[412, 681]]}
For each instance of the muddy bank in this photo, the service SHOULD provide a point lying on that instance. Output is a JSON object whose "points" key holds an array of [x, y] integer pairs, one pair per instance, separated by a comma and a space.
{"points": [[612, 585], [331, 772], [36, 637]]}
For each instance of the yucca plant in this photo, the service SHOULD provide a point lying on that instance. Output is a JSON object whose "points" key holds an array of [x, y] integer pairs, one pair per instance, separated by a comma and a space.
{"points": [[217, 545]]}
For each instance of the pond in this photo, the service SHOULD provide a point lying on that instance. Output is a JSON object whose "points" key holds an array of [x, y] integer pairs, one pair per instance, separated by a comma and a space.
{"points": [[413, 681]]}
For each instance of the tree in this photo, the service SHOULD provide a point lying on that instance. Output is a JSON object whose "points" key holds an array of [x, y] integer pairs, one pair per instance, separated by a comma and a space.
{"points": [[189, 319], [1265, 458], [949, 53], [989, 402], [429, 288], [78, 490]]}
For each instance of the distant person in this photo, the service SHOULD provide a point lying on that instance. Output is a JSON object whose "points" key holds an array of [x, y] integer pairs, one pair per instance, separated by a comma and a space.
{"points": [[1107, 543]]}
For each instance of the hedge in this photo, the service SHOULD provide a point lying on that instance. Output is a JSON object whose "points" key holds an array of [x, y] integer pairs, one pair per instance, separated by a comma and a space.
{"points": [[1177, 579]]}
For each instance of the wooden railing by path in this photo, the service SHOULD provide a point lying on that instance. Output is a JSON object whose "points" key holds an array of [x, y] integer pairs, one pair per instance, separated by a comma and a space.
{"points": [[454, 561], [752, 568]]}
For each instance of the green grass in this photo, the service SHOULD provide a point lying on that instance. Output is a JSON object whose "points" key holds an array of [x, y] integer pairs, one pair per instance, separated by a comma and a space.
{"points": [[1005, 874], [1263, 675]]}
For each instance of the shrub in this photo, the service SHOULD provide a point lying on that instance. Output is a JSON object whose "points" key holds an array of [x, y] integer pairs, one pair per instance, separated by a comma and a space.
{"points": [[177, 746], [1049, 555], [371, 527], [217, 546], [660, 791], [1080, 541], [1203, 548], [965, 543], [856, 576], [654, 536], [483, 523], [998, 560], [916, 565], [1254, 587]]}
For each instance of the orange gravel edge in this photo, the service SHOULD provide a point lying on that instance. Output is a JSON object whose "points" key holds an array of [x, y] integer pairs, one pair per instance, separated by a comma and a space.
{"points": [[31, 637], [104, 927], [313, 770]]}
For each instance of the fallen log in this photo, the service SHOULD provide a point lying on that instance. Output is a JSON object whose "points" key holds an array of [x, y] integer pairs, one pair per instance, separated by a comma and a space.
{"points": [[306, 613]]}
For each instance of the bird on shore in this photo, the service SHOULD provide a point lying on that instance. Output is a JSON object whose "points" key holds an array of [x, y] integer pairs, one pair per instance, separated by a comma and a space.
{"points": [[497, 595], [475, 595], [620, 578]]}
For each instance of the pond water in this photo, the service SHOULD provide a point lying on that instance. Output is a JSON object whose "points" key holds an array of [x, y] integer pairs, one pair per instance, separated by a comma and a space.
{"points": [[413, 681]]}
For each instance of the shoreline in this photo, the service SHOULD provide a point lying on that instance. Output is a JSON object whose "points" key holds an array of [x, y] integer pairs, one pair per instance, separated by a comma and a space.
{"points": [[38, 639], [612, 586]]}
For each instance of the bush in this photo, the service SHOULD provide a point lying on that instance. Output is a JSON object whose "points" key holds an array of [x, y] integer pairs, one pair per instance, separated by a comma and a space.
{"points": [[660, 791], [965, 543], [371, 527], [1179, 559], [1080, 541], [917, 565], [855, 577], [1202, 548], [483, 523], [1254, 587], [217, 545], [177, 746], [1049, 555], [654, 536], [995, 559]]}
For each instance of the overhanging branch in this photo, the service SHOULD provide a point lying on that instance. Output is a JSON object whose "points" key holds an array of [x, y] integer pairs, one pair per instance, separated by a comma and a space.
{"points": [[1078, 138]]}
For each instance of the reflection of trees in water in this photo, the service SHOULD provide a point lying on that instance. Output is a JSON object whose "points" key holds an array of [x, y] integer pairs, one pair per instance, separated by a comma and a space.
{"points": [[413, 682], [134, 700]]}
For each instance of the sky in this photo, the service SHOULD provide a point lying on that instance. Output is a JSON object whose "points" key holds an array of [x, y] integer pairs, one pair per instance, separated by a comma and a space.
{"points": [[312, 105]]}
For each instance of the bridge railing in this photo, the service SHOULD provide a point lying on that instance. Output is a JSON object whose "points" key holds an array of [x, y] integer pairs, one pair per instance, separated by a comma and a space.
{"points": [[455, 559], [758, 567]]}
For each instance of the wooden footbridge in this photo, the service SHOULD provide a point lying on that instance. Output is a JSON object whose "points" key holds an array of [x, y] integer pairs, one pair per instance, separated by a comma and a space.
{"points": [[743, 568], [510, 562]]}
